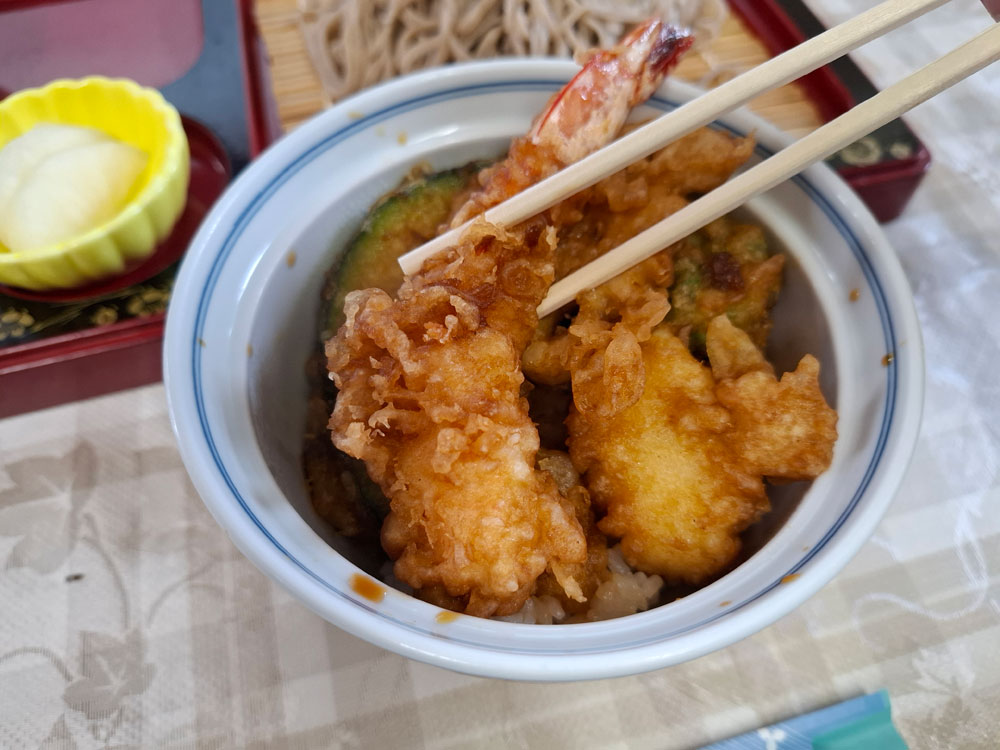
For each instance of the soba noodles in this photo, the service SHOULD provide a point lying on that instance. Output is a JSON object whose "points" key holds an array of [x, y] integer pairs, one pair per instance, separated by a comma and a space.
{"points": [[356, 44]]}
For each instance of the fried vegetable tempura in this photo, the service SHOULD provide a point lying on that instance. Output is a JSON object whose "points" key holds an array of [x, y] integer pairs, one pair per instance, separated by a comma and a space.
{"points": [[675, 491], [783, 429], [680, 472], [724, 269]]}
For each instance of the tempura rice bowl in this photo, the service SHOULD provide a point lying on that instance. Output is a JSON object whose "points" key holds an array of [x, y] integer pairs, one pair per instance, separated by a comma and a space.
{"points": [[243, 322]]}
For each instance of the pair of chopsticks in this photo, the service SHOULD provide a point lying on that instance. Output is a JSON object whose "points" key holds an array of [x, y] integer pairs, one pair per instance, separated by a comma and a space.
{"points": [[871, 114]]}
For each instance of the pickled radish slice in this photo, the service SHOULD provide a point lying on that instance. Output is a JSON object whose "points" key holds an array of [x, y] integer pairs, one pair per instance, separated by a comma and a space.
{"points": [[65, 181], [23, 154]]}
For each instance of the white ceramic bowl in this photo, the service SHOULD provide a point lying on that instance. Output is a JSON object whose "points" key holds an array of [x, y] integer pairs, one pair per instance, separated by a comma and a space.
{"points": [[242, 322]]}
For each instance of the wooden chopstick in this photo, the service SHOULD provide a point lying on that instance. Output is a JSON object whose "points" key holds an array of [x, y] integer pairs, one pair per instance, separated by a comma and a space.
{"points": [[697, 113], [930, 80]]}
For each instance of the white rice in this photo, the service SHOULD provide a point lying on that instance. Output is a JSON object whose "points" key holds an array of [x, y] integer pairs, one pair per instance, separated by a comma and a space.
{"points": [[538, 610], [626, 592]]}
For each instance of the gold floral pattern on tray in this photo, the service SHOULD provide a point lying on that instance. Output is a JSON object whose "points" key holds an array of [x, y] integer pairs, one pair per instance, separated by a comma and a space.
{"points": [[22, 321], [15, 323]]}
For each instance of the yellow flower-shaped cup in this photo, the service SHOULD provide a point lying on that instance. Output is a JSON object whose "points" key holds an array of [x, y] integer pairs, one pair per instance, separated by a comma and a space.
{"points": [[131, 113]]}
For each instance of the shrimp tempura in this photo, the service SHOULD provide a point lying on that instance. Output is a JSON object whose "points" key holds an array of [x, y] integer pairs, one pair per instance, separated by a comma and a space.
{"points": [[430, 399], [430, 382]]}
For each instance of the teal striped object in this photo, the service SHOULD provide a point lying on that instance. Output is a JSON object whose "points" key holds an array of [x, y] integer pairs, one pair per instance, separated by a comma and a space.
{"points": [[863, 723]]}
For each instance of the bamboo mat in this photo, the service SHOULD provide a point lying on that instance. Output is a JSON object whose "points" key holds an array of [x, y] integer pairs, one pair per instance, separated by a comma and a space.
{"points": [[299, 94]]}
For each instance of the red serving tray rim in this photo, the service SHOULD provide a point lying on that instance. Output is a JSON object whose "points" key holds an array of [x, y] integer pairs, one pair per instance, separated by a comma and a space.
{"points": [[76, 344], [254, 83]]}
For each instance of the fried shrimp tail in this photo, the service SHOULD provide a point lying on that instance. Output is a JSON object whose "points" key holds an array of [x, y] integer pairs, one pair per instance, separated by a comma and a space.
{"points": [[586, 114]]}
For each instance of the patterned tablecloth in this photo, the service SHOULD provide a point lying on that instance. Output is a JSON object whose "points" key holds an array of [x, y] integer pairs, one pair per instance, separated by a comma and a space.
{"points": [[128, 619]]}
